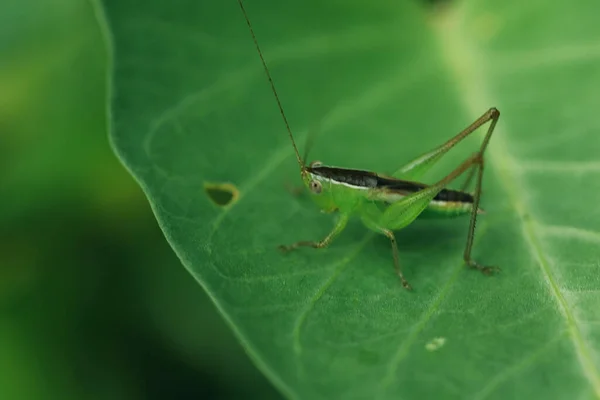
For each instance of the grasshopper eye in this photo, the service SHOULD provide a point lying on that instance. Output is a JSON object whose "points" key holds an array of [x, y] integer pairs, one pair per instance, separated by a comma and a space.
{"points": [[315, 164], [315, 187]]}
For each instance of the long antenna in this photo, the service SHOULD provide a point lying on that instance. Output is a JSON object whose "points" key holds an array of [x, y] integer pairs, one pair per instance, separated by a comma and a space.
{"points": [[272, 87]]}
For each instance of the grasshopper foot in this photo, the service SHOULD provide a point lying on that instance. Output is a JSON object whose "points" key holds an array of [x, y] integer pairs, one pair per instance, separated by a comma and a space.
{"points": [[405, 283], [489, 270], [486, 270]]}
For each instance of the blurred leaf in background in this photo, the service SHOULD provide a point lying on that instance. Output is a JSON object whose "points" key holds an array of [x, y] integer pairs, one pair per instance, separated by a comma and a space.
{"points": [[384, 81], [93, 303]]}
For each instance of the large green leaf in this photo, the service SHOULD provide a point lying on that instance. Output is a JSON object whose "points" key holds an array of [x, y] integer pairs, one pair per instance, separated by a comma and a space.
{"points": [[381, 82]]}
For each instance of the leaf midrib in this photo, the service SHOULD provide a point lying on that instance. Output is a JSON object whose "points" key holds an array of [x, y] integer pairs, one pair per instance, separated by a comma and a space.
{"points": [[465, 63]]}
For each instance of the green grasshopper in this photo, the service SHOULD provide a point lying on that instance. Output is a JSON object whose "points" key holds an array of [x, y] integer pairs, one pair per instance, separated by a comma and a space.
{"points": [[389, 203]]}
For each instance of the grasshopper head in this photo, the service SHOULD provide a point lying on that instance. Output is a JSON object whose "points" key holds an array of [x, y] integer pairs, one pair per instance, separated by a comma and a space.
{"points": [[318, 187]]}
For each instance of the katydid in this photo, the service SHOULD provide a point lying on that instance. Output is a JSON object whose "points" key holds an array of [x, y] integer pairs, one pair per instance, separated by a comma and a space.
{"points": [[389, 203]]}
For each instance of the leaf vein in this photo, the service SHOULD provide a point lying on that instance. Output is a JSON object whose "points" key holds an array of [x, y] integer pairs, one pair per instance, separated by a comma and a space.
{"points": [[463, 61], [514, 369], [402, 351], [339, 268]]}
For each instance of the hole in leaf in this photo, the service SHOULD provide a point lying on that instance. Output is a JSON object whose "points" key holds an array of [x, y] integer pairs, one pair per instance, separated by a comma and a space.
{"points": [[222, 194]]}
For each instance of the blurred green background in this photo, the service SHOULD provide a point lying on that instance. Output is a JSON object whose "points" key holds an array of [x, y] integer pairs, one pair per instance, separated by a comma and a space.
{"points": [[93, 302]]}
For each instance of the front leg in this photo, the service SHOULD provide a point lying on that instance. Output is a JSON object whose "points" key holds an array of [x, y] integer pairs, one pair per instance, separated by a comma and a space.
{"points": [[339, 227]]}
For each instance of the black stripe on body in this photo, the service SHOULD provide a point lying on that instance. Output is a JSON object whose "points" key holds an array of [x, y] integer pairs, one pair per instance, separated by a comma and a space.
{"points": [[367, 179], [354, 177]]}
